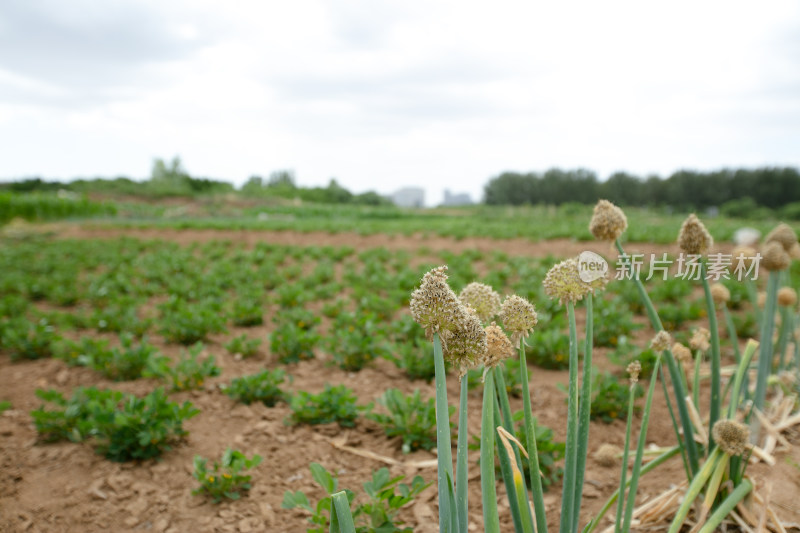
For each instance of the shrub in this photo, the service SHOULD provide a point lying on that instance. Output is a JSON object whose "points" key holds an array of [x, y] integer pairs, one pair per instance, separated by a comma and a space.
{"points": [[225, 480], [334, 404], [410, 418], [261, 387]]}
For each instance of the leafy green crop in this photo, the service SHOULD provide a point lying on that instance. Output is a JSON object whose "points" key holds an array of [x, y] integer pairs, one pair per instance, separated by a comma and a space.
{"points": [[334, 404], [262, 387], [410, 418], [123, 427], [225, 479], [385, 497]]}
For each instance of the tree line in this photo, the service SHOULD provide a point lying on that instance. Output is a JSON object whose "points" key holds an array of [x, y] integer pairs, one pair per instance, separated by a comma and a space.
{"points": [[738, 189]]}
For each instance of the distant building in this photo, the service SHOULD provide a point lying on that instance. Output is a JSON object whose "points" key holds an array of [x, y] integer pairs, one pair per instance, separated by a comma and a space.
{"points": [[409, 197], [451, 199]]}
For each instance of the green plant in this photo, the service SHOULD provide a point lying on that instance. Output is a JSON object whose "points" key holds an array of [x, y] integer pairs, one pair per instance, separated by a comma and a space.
{"points": [[356, 342], [243, 346], [27, 340], [549, 451], [122, 363], [410, 418], [334, 404], [123, 427], [261, 387], [187, 323], [225, 480], [413, 359], [247, 312], [385, 497], [188, 372], [610, 398], [5, 405], [295, 337], [549, 349]]}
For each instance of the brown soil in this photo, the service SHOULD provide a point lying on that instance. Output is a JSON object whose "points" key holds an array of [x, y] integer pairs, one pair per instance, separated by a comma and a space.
{"points": [[66, 487]]}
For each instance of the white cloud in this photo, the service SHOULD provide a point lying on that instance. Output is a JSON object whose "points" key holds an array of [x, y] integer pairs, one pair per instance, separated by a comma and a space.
{"points": [[381, 95]]}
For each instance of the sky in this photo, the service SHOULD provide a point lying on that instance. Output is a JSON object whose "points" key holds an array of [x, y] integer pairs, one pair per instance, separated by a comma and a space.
{"points": [[380, 95]]}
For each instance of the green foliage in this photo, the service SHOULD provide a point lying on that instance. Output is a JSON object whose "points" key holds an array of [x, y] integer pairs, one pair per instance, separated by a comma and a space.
{"points": [[189, 372], [334, 404], [610, 397], [187, 323], [414, 359], [385, 497], [27, 340], [43, 206], [121, 363], [123, 427], [612, 321], [409, 417], [262, 387], [5, 405], [225, 479], [549, 450], [243, 345], [548, 349], [355, 340], [247, 312], [295, 338]]}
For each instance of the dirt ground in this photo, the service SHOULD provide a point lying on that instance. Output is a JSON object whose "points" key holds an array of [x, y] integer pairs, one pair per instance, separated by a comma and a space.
{"points": [[66, 487]]}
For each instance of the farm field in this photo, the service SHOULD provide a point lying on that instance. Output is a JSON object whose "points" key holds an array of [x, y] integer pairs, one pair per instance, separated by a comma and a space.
{"points": [[188, 307]]}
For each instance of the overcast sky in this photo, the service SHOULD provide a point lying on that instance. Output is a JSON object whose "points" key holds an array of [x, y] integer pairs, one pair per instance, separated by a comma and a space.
{"points": [[385, 94]]}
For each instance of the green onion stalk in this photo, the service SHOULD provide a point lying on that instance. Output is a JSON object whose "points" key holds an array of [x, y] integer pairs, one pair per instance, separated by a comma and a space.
{"points": [[687, 439], [716, 400]]}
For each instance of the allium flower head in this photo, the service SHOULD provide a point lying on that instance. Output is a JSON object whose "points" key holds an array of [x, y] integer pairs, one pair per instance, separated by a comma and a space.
{"points": [[608, 221], [482, 298], [634, 369], [746, 253], [694, 238], [563, 282], [784, 235], [699, 340], [661, 341], [774, 257], [720, 293], [466, 344], [518, 316], [682, 353], [787, 297], [762, 298], [498, 346], [434, 305], [731, 436]]}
